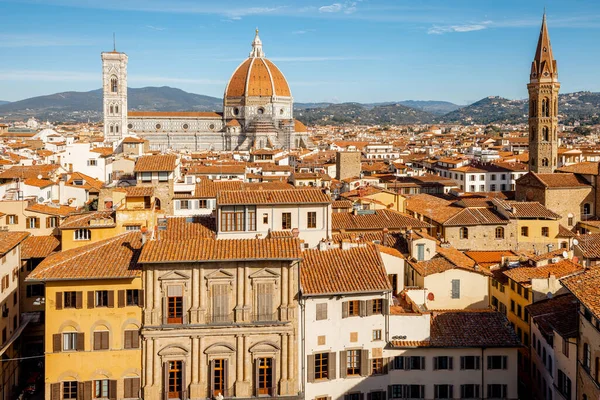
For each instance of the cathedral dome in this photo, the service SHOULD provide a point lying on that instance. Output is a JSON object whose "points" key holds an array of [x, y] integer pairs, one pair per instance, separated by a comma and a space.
{"points": [[257, 76]]}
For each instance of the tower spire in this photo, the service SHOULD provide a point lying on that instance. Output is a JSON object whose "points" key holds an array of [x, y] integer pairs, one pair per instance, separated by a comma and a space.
{"points": [[114, 42], [544, 64], [257, 50]]}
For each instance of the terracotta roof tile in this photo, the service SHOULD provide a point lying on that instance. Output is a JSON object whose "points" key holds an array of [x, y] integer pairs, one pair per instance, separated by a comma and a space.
{"points": [[166, 162], [84, 220], [358, 269], [216, 169], [556, 314], [185, 228], [589, 245], [41, 183], [585, 287], [198, 250], [561, 269], [103, 151], [139, 191], [112, 258], [58, 210], [562, 180], [39, 246], [8, 240], [378, 220], [583, 168], [296, 196]]}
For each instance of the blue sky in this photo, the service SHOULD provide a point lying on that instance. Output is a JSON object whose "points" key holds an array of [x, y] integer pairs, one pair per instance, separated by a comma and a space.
{"points": [[329, 50]]}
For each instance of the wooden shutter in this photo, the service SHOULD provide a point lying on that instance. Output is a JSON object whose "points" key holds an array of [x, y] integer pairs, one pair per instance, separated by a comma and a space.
{"points": [[264, 299], [104, 336], [450, 363], [80, 341], [386, 363], [220, 300], [135, 387], [55, 391], [7, 219], [390, 391], [343, 364], [37, 222], [165, 382], [111, 298], [183, 383], [369, 396], [256, 381], [211, 377], [331, 366], [435, 363], [59, 300], [362, 308], [90, 300], [141, 298], [80, 390], [385, 308], [48, 222], [165, 310], [87, 390], [311, 368], [226, 377], [56, 343], [128, 340], [274, 379], [369, 306], [423, 363], [345, 309], [505, 362], [78, 300], [364, 362], [16, 222], [462, 362], [121, 298], [97, 340], [127, 392], [112, 390]]}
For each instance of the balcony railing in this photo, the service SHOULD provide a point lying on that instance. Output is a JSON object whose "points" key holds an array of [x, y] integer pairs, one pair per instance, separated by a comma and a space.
{"points": [[219, 319], [264, 317]]}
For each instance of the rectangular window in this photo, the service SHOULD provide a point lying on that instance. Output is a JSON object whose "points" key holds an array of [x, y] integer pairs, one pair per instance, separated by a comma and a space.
{"points": [[92, 162], [12, 220], [496, 391], [564, 384], [377, 306], [70, 300], [519, 311], [497, 362], [232, 218], [512, 306], [455, 289], [321, 365], [265, 218], [377, 366], [35, 290], [101, 298], [321, 311], [175, 379], [470, 391], [396, 392], [133, 228], [354, 308], [398, 362], [353, 396], [132, 339], [250, 218], [420, 252], [175, 310], [70, 390], [414, 391], [443, 362], [184, 204], [545, 231], [286, 220], [525, 231], [443, 391], [376, 334], [101, 340], [32, 222], [379, 395], [51, 222], [469, 362], [132, 297], [353, 362], [163, 176], [146, 176], [101, 389], [415, 362], [69, 341], [311, 219]]}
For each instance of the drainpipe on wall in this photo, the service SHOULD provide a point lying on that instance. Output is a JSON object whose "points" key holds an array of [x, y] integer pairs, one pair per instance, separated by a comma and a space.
{"points": [[483, 396]]}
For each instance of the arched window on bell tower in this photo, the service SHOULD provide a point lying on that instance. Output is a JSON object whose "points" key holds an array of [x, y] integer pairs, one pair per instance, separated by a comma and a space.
{"points": [[116, 109], [532, 133], [544, 162], [114, 84], [545, 107], [112, 110], [545, 134], [533, 111]]}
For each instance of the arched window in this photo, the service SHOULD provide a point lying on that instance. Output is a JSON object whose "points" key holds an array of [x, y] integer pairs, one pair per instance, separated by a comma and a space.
{"points": [[101, 333], [157, 204], [116, 109], [464, 233], [544, 162], [545, 107], [587, 357], [532, 134], [533, 108], [587, 209], [116, 128], [114, 84], [82, 234], [112, 129], [112, 110], [546, 134], [499, 232]]}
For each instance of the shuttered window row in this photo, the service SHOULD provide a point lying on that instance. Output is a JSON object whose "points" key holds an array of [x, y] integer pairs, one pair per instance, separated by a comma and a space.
{"points": [[99, 298], [365, 308], [89, 390], [75, 341]]}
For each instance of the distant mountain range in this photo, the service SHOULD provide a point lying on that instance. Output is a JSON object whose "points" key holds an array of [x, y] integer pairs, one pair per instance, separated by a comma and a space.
{"points": [[4, 102], [83, 106]]}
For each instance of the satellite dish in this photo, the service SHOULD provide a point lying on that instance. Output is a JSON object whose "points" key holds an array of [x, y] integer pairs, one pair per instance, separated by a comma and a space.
{"points": [[575, 242], [198, 180], [565, 254], [40, 199], [39, 176]]}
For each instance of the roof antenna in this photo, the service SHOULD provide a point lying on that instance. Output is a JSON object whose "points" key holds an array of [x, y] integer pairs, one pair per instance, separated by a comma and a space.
{"points": [[114, 43]]}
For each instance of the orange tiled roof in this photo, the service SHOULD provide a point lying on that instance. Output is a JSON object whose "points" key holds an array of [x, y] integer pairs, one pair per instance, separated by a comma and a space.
{"points": [[257, 77], [112, 258], [524, 275], [58, 210], [166, 162], [199, 250], [185, 228], [558, 314], [491, 257], [333, 271], [8, 240], [83, 220], [39, 246], [562, 180], [139, 191], [341, 204], [103, 151], [299, 126], [584, 168], [216, 169], [134, 140], [29, 171], [41, 183], [378, 220], [296, 196], [589, 245], [585, 287]]}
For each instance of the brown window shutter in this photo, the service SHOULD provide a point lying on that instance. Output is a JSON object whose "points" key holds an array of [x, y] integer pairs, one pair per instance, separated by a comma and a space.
{"points": [[135, 339], [362, 308], [311, 368], [364, 362], [111, 298], [211, 376], [345, 309], [16, 222], [165, 311], [127, 340], [79, 300], [56, 343], [256, 381], [343, 364], [37, 223], [386, 363], [91, 300], [80, 389], [112, 390], [135, 387], [141, 298], [165, 382], [386, 306], [47, 222], [55, 391], [105, 336], [97, 341], [81, 341], [331, 366], [274, 380], [127, 389], [121, 298], [369, 306], [183, 382], [226, 376], [59, 299], [87, 390], [7, 219]]}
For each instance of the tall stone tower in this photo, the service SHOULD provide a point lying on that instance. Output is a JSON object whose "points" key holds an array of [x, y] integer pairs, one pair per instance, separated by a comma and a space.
{"points": [[114, 94], [543, 107]]}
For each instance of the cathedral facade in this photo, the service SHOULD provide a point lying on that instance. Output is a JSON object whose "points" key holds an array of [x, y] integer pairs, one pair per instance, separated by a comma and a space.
{"points": [[258, 111]]}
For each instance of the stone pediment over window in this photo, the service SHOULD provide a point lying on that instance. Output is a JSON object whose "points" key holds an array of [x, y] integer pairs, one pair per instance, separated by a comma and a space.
{"points": [[220, 348], [173, 350], [264, 275], [174, 276], [219, 275], [264, 347]]}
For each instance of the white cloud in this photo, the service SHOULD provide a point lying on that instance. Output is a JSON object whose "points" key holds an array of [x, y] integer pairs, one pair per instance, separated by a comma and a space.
{"points": [[47, 76], [335, 7], [155, 28], [302, 31], [441, 29], [37, 40], [319, 59], [142, 79]]}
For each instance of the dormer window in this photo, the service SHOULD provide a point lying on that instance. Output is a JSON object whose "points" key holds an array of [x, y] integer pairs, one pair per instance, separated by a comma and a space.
{"points": [[78, 182]]}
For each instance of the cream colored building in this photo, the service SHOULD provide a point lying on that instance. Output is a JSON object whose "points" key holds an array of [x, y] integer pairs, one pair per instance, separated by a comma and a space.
{"points": [[221, 318]]}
